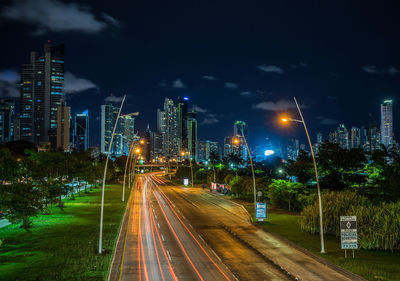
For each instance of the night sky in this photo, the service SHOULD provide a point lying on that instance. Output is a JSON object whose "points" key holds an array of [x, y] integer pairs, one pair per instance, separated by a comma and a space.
{"points": [[236, 60]]}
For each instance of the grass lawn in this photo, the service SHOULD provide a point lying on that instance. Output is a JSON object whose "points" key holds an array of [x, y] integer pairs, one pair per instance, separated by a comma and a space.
{"points": [[371, 265], [64, 245]]}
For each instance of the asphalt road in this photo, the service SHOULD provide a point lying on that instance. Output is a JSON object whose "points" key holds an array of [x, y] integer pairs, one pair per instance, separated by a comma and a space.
{"points": [[161, 245], [178, 233]]}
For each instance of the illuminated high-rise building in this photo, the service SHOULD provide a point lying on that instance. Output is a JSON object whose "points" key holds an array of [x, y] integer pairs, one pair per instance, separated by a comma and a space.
{"points": [[374, 136], [42, 87], [81, 131], [192, 135], [227, 146], [387, 123], [182, 112], [343, 136], [7, 119], [168, 127], [109, 114], [292, 149], [355, 138]]}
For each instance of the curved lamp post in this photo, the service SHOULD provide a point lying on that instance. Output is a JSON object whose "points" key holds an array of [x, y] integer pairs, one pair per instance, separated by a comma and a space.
{"points": [[104, 176], [321, 226], [252, 169]]}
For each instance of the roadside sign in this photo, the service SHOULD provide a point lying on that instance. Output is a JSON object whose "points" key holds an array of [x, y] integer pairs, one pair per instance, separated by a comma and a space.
{"points": [[348, 232], [186, 182], [261, 211], [259, 194]]}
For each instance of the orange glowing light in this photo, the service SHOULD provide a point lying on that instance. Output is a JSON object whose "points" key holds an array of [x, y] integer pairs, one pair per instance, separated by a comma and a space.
{"points": [[235, 140], [141, 141]]}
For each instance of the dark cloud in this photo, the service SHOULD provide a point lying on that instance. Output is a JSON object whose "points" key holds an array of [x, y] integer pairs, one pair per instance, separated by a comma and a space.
{"points": [[178, 84], [373, 69], [75, 84], [9, 83], [270, 68], [57, 16], [231, 85]]}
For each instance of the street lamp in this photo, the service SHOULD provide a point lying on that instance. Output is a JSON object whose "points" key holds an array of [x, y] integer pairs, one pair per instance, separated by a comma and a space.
{"points": [[126, 166], [104, 176], [321, 226], [252, 168], [190, 160]]}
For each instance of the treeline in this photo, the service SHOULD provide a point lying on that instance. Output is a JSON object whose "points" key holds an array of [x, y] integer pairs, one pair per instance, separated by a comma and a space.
{"points": [[32, 180], [353, 182]]}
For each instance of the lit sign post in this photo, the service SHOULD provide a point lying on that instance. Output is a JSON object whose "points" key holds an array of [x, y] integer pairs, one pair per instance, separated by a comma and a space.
{"points": [[348, 233], [185, 182], [261, 211]]}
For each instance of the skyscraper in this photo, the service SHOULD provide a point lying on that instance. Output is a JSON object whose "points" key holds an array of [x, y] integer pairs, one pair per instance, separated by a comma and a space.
{"points": [[343, 136], [167, 125], [81, 131], [7, 118], [292, 149], [387, 123], [227, 146], [374, 137], [63, 127], [333, 137], [355, 140], [109, 114], [125, 133], [42, 85], [182, 123], [192, 135]]}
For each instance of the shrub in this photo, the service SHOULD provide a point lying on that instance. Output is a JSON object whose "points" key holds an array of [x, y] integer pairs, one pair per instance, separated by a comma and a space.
{"points": [[378, 225]]}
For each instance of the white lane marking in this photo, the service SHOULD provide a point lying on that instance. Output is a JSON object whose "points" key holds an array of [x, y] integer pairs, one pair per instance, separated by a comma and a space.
{"points": [[191, 226], [169, 257], [158, 225], [162, 237], [201, 238], [155, 215], [215, 254], [183, 217]]}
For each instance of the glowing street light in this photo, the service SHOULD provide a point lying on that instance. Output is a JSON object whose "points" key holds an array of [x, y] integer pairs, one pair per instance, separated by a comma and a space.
{"points": [[142, 142], [321, 226]]}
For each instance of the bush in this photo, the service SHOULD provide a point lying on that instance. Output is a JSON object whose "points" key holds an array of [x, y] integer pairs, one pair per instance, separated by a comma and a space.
{"points": [[378, 225]]}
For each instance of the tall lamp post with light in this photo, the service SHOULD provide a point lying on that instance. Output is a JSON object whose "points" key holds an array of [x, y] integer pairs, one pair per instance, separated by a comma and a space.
{"points": [[321, 226], [183, 153], [251, 165], [104, 176]]}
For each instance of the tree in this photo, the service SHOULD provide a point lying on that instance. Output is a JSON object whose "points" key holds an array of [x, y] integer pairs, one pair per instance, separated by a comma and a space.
{"points": [[213, 159], [20, 201], [8, 165], [302, 168], [283, 192], [340, 168]]}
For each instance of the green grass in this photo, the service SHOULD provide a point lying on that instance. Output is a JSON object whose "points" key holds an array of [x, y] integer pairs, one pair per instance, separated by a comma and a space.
{"points": [[64, 245], [371, 265]]}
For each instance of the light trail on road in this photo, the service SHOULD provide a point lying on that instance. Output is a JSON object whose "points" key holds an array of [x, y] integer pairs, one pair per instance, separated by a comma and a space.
{"points": [[159, 245]]}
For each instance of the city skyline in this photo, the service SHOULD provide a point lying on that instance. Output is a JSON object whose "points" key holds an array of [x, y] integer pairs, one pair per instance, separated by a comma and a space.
{"points": [[251, 81]]}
